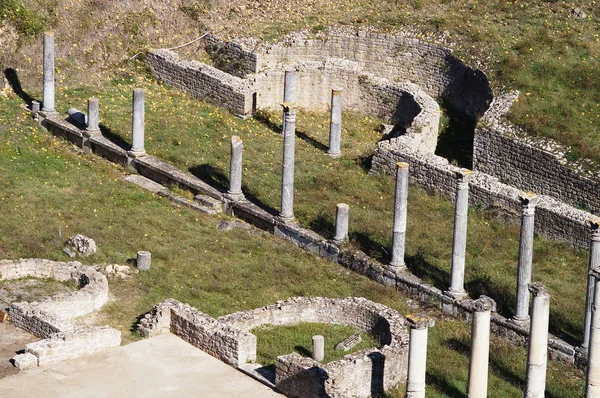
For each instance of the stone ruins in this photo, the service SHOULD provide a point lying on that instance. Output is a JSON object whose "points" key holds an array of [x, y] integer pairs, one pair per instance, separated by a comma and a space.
{"points": [[400, 79]]}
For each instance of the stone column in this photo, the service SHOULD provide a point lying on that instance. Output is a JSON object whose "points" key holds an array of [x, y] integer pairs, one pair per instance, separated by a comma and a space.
{"points": [[537, 357], [318, 348], [480, 347], [48, 101], [528, 203], [417, 354], [143, 260], [341, 222], [594, 263], [592, 383], [289, 144], [137, 144], [93, 123], [235, 169], [289, 92], [399, 227], [459, 243], [335, 124]]}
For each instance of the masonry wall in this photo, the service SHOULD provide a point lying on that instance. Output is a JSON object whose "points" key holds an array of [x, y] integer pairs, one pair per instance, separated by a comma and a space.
{"points": [[202, 81]]}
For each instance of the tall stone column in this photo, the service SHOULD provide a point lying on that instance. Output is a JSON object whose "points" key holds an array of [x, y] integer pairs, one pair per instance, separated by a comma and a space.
{"points": [[289, 92], [417, 354], [459, 243], [335, 124], [48, 100], [594, 263], [528, 203], [480, 347], [592, 383], [235, 169], [289, 145], [537, 357], [400, 211], [137, 146], [341, 222], [93, 124]]}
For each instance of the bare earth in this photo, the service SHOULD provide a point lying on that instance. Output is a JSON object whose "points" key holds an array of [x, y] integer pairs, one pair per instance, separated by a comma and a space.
{"points": [[162, 366], [12, 339]]}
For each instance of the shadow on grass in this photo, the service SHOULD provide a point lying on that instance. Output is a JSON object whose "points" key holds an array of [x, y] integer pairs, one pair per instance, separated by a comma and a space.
{"points": [[266, 120], [323, 225], [504, 298], [217, 178], [365, 162], [13, 80], [113, 137], [364, 242], [443, 386], [427, 271], [305, 352]]}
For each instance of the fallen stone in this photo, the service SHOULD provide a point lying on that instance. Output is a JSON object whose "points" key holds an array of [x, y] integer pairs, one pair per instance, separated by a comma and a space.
{"points": [[578, 13], [81, 245], [25, 361], [122, 268], [349, 342], [69, 252]]}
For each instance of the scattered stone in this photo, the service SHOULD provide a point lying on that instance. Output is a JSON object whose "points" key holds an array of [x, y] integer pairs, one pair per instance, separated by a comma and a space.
{"points": [[578, 13], [349, 342], [229, 225], [116, 270], [69, 252], [81, 245], [25, 361]]}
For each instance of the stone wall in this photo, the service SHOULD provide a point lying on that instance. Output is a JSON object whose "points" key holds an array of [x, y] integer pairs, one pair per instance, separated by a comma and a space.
{"points": [[53, 318], [231, 57], [535, 164], [358, 374], [202, 81]]}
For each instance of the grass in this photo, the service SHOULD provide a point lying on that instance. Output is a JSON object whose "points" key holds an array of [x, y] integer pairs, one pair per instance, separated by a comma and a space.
{"points": [[273, 341], [196, 137], [46, 184]]}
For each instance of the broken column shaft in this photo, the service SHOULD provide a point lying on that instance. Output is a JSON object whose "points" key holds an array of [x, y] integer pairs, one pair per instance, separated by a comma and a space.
{"points": [[537, 356], [592, 383], [318, 348], [137, 144], [480, 347], [341, 222], [594, 263], [335, 124], [417, 354], [524, 268], [48, 100], [289, 144], [235, 168], [400, 215], [93, 122], [459, 242]]}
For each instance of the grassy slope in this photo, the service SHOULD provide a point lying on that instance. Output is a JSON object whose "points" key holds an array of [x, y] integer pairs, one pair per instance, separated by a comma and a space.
{"points": [[47, 184]]}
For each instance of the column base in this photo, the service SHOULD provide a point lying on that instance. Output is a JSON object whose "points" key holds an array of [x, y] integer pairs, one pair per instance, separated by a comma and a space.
{"points": [[521, 322], [48, 114], [334, 155], [136, 154], [235, 197], [456, 294], [287, 219], [395, 268], [91, 133]]}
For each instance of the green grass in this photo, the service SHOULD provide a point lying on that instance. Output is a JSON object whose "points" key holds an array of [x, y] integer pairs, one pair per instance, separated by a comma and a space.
{"points": [[196, 137], [273, 341], [46, 184]]}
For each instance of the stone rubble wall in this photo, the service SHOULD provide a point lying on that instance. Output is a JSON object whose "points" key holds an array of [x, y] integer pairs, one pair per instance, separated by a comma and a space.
{"points": [[554, 219], [52, 319], [536, 164], [396, 57], [202, 81], [228, 338], [231, 57]]}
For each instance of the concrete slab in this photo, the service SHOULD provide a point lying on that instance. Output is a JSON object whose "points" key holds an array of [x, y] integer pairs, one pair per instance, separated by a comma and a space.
{"points": [[162, 366]]}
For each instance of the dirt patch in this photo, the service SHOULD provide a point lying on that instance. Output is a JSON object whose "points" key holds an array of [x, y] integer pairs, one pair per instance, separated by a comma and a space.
{"points": [[12, 339], [30, 290]]}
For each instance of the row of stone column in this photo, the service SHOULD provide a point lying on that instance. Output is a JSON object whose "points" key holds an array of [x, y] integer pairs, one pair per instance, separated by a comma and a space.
{"points": [[537, 357]]}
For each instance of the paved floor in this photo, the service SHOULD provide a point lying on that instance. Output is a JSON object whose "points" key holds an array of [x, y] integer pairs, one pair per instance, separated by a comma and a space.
{"points": [[163, 366]]}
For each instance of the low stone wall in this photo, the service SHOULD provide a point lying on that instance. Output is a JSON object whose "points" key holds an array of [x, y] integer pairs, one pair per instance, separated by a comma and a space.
{"points": [[202, 81], [532, 163], [358, 374], [554, 219], [52, 319]]}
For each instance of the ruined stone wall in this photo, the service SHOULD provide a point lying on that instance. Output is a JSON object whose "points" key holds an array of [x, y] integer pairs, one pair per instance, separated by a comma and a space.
{"points": [[231, 57], [534, 164], [554, 219], [52, 318], [202, 81]]}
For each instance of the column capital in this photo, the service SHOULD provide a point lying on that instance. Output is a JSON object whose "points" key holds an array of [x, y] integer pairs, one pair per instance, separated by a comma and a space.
{"points": [[419, 321], [463, 176], [594, 224], [537, 289], [236, 141], [402, 165], [529, 201], [290, 107], [336, 89], [484, 304]]}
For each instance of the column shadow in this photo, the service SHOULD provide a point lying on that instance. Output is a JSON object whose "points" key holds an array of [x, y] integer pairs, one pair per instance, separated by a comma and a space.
{"points": [[113, 137], [13, 80]]}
